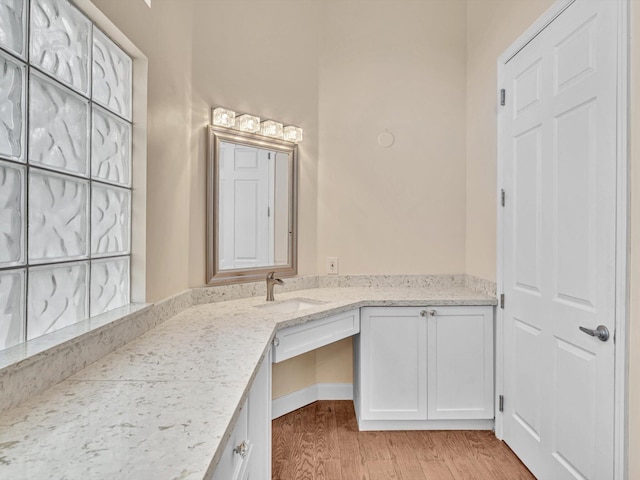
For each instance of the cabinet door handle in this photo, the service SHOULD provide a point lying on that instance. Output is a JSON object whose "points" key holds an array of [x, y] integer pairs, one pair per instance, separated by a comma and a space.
{"points": [[241, 449], [276, 342], [433, 313], [423, 313]]}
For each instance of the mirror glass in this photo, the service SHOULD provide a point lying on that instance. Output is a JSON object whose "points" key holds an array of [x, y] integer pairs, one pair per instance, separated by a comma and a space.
{"points": [[251, 214]]}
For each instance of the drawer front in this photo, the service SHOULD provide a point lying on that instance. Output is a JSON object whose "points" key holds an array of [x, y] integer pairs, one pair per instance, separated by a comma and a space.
{"points": [[299, 339], [232, 464]]}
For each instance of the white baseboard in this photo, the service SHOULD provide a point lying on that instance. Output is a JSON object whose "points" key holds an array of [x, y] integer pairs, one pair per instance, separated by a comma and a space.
{"points": [[320, 391], [379, 425]]}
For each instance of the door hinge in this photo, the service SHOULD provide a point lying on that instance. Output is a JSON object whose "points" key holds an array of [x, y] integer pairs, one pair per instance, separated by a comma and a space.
{"points": [[501, 403], [502, 300], [503, 97], [502, 197]]}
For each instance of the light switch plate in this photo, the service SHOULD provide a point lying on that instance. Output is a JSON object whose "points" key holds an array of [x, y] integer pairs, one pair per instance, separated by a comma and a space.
{"points": [[332, 265]]}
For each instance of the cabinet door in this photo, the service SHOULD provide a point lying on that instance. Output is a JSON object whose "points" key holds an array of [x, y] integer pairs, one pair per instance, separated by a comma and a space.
{"points": [[460, 363], [253, 432], [393, 361], [232, 464], [259, 422]]}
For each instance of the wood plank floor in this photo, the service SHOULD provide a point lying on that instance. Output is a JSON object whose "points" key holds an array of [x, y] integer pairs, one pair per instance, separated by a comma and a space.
{"points": [[321, 442]]}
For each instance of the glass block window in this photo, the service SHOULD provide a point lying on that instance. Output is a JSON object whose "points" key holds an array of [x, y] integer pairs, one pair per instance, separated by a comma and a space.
{"points": [[65, 169]]}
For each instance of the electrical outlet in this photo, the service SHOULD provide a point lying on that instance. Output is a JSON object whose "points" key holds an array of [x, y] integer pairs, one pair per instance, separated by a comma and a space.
{"points": [[332, 265]]}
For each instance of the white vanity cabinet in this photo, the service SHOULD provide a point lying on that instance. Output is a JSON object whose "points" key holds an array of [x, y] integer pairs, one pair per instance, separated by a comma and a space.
{"points": [[424, 368], [247, 455]]}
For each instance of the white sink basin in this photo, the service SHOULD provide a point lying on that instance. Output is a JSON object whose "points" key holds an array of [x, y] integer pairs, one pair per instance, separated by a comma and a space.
{"points": [[290, 306]]}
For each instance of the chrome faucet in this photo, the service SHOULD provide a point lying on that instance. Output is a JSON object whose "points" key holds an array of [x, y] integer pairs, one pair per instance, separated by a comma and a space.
{"points": [[272, 282]]}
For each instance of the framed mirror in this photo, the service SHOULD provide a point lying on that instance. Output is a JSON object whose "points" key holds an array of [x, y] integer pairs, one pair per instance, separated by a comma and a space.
{"points": [[251, 206]]}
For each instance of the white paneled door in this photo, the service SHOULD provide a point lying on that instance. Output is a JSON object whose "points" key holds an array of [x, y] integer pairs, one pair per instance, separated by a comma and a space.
{"points": [[558, 145], [244, 206]]}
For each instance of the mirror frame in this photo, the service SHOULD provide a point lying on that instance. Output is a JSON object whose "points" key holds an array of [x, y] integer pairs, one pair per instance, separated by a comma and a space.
{"points": [[215, 276]]}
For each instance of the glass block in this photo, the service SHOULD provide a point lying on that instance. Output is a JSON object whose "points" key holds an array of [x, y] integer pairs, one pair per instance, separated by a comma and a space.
{"points": [[61, 42], [110, 220], [12, 26], [58, 297], [12, 308], [110, 148], [58, 217], [109, 284], [12, 215], [12, 108], [58, 127], [111, 75]]}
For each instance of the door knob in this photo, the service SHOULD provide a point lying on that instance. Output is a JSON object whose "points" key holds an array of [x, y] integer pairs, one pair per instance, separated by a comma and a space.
{"points": [[601, 332]]}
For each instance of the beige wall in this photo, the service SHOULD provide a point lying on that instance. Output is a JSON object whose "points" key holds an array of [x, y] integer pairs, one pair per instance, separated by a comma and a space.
{"points": [[168, 133], [294, 374], [399, 66], [492, 25], [330, 364]]}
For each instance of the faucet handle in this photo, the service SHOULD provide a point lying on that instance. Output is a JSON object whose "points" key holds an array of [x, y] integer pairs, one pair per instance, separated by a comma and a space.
{"points": [[272, 282]]}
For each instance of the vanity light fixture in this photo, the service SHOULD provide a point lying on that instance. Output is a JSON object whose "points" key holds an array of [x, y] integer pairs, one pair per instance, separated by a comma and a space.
{"points": [[269, 128], [223, 117], [293, 134], [248, 123]]}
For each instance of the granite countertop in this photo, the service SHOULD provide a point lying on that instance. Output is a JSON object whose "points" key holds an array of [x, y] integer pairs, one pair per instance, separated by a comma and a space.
{"points": [[164, 405]]}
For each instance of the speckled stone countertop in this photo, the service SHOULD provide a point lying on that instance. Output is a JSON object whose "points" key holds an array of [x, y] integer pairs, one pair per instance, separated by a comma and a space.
{"points": [[164, 405]]}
